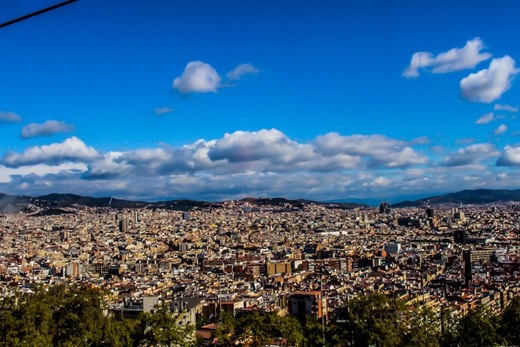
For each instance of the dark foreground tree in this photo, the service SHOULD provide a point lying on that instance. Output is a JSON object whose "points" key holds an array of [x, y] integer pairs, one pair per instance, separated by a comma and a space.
{"points": [[259, 329], [373, 320], [160, 328], [425, 328], [510, 323], [479, 328]]}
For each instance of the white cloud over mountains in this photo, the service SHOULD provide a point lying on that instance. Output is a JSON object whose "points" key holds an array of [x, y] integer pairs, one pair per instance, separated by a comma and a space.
{"points": [[70, 150], [47, 128], [268, 151], [470, 155], [263, 163], [510, 156], [377, 150], [454, 59], [489, 84]]}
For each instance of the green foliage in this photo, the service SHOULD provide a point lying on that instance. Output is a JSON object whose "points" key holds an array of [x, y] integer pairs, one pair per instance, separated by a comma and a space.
{"points": [[160, 328], [373, 320], [479, 328], [510, 323], [313, 330], [64, 316], [425, 329], [74, 316], [258, 329], [225, 330]]}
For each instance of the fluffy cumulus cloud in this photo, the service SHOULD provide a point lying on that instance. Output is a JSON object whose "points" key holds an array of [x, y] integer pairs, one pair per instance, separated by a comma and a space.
{"points": [[377, 150], [266, 150], [470, 155], [9, 117], [241, 70], [489, 84], [455, 59], [197, 77], [70, 150], [244, 146], [502, 128], [151, 162], [47, 128], [486, 118], [510, 156], [39, 170]]}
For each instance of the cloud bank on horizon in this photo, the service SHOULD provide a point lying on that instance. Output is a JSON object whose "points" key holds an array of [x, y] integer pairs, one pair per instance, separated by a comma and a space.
{"points": [[262, 163]]}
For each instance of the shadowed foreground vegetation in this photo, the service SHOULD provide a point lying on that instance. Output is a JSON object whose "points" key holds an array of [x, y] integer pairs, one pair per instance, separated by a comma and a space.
{"points": [[76, 316]]}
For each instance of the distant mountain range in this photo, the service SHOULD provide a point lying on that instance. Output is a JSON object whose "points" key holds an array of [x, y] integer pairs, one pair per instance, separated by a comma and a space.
{"points": [[54, 203], [478, 196]]}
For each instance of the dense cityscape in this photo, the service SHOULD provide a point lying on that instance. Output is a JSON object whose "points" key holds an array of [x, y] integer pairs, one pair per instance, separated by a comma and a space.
{"points": [[259, 173], [285, 258]]}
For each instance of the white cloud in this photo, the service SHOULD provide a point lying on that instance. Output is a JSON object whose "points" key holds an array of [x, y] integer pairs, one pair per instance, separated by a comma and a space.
{"points": [[70, 150], [6, 173], [256, 163], [470, 155], [259, 151], [241, 70], [382, 181], [509, 108], [455, 59], [197, 77], [489, 84], [510, 156], [9, 117], [47, 128], [378, 150], [243, 146], [106, 167], [484, 119], [502, 128], [163, 110]]}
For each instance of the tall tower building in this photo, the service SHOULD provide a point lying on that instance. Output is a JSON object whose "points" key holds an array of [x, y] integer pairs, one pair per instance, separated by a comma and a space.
{"points": [[123, 225]]}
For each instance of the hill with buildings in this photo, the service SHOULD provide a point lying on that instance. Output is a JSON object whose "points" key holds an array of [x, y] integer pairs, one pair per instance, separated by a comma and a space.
{"points": [[55, 202]]}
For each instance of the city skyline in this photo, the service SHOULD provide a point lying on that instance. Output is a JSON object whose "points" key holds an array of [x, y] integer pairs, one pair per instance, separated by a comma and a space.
{"points": [[216, 101]]}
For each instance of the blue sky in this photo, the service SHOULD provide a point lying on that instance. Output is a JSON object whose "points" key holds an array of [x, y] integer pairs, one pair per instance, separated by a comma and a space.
{"points": [[221, 100]]}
